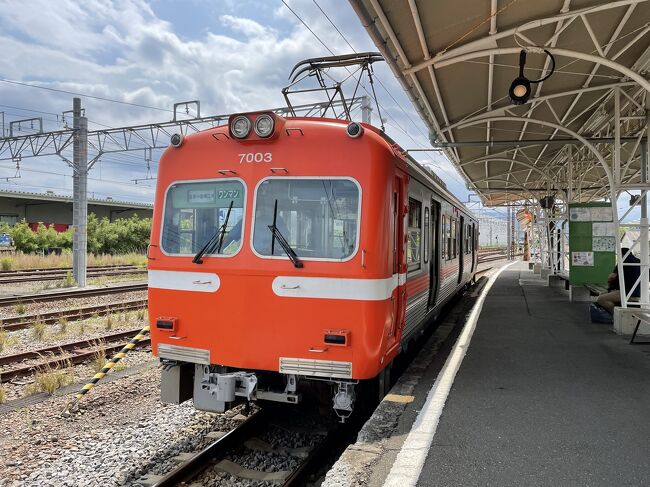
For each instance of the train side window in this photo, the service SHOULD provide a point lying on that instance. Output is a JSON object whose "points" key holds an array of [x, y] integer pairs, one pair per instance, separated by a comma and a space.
{"points": [[450, 251], [414, 235], [427, 232], [443, 233]]}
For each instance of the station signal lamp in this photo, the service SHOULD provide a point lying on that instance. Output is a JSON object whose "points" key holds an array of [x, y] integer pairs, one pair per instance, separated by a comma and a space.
{"points": [[520, 88]]}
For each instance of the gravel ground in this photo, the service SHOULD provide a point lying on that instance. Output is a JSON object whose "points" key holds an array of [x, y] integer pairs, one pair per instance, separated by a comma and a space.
{"points": [[122, 432], [23, 340]]}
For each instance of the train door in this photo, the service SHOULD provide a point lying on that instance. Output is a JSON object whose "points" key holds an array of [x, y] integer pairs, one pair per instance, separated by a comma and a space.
{"points": [[461, 248], [434, 260], [398, 227], [472, 241]]}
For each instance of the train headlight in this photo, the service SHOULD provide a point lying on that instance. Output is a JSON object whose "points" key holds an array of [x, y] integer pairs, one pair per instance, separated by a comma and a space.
{"points": [[354, 130], [264, 125], [176, 140], [240, 127]]}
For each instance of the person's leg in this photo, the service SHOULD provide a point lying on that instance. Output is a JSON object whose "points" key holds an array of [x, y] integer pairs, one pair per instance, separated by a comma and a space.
{"points": [[609, 300]]}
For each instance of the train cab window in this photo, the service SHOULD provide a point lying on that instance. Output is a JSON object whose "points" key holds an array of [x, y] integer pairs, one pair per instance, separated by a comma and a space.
{"points": [[427, 233], [319, 218], [414, 234], [196, 211]]}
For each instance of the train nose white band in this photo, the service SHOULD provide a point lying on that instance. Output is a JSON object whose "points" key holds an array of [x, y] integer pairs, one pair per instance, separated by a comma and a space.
{"points": [[204, 282], [335, 288]]}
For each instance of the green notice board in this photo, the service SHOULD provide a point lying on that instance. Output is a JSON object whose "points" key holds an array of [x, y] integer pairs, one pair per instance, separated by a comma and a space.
{"points": [[592, 243]]}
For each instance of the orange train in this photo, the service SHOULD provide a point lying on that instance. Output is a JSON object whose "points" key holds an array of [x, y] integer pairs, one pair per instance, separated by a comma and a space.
{"points": [[286, 251]]}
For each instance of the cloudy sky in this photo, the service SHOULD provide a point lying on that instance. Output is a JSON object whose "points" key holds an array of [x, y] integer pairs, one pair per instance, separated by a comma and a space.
{"points": [[231, 55]]}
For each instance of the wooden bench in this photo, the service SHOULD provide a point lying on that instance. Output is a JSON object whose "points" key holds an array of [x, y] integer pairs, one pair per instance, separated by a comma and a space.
{"points": [[596, 289]]}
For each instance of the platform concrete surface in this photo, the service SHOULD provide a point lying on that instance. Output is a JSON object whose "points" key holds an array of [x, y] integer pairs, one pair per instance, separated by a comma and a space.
{"points": [[543, 397]]}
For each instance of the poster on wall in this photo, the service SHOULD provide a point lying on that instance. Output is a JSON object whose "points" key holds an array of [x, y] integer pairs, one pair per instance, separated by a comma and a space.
{"points": [[603, 230], [582, 259], [601, 214], [603, 244], [580, 214]]}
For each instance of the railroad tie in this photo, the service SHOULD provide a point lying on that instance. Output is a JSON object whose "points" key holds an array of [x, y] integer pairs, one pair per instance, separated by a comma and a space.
{"points": [[73, 405]]}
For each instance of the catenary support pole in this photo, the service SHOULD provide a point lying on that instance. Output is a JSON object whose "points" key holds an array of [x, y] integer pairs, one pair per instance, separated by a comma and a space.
{"points": [[366, 110], [509, 236], [644, 235], [80, 194]]}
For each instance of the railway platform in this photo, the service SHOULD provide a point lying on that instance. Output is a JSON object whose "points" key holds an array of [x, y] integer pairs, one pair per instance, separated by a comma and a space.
{"points": [[541, 396]]}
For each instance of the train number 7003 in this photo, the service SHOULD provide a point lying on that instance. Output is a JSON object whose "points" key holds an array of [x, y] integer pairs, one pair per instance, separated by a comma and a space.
{"points": [[255, 157]]}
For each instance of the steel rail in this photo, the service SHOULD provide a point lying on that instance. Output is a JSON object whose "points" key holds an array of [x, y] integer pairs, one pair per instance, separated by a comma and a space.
{"points": [[77, 293], [52, 317], [194, 466], [65, 347], [53, 277], [83, 355], [46, 270]]}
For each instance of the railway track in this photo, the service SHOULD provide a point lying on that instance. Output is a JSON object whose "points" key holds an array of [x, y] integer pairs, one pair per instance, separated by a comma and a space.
{"points": [[46, 275], [214, 456], [78, 293], [50, 270], [492, 258], [52, 317], [72, 352]]}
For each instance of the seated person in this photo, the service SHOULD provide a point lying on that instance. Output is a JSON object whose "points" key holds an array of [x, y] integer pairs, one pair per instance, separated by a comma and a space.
{"points": [[612, 297]]}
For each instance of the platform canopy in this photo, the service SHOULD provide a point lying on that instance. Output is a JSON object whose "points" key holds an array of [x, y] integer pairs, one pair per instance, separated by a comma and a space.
{"points": [[457, 60]]}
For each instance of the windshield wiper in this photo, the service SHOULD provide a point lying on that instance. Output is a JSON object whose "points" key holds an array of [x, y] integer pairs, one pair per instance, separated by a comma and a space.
{"points": [[277, 235], [217, 237]]}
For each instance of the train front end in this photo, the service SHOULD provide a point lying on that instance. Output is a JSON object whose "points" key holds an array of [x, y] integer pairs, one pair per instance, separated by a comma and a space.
{"points": [[271, 263]]}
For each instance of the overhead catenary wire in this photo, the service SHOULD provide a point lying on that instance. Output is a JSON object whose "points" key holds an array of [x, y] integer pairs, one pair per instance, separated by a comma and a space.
{"points": [[304, 23], [451, 174], [390, 94], [85, 95]]}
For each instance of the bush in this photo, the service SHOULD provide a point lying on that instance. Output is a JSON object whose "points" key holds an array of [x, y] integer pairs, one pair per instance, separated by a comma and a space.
{"points": [[121, 236], [7, 263]]}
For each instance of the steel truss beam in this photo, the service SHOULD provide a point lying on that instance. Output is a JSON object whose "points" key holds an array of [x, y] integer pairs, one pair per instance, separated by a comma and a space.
{"points": [[123, 139]]}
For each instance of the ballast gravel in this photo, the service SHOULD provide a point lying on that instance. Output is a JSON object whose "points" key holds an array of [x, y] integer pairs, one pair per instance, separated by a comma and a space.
{"points": [[121, 433]]}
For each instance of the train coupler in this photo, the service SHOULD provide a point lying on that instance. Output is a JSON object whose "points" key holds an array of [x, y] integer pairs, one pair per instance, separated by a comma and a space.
{"points": [[217, 392], [343, 401]]}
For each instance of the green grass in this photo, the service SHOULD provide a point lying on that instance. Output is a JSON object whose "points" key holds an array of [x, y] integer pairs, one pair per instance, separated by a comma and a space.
{"points": [[4, 338], [38, 330], [48, 379], [6, 263]]}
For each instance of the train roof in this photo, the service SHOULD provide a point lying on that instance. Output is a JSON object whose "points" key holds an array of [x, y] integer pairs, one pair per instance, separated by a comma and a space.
{"points": [[427, 174]]}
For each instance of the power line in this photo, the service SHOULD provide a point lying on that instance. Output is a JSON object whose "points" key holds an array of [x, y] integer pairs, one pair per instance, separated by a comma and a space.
{"points": [[94, 97]]}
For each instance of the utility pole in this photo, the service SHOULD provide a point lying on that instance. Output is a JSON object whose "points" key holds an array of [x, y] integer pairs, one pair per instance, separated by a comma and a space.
{"points": [[79, 194]]}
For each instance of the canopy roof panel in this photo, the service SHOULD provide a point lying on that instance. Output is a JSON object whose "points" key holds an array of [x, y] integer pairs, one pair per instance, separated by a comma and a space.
{"points": [[456, 60]]}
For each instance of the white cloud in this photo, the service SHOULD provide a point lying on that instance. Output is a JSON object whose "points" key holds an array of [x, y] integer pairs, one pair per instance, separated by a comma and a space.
{"points": [[122, 50]]}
